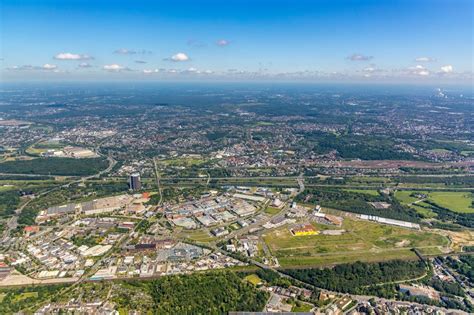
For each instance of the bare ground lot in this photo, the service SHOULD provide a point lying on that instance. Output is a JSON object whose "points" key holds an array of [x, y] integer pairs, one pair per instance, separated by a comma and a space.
{"points": [[364, 241]]}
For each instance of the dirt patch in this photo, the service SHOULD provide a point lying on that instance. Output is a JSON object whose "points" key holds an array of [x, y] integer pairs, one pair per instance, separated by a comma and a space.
{"points": [[403, 243]]}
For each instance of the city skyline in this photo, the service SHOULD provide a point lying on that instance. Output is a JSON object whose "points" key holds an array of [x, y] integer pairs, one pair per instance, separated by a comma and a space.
{"points": [[364, 41]]}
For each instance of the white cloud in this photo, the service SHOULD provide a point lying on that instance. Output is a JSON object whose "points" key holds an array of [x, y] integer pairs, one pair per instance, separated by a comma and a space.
{"points": [[24, 67], [425, 59], [419, 70], [447, 69], [115, 68], [222, 42], [150, 71], [125, 51], [45, 67], [359, 57], [179, 57], [71, 56], [48, 66], [85, 65]]}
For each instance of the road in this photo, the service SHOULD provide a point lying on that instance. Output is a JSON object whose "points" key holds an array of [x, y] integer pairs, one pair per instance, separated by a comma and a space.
{"points": [[157, 178], [360, 298], [13, 221], [300, 181]]}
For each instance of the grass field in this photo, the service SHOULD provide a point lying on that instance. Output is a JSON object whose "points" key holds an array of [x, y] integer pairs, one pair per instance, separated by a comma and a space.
{"points": [[364, 241], [455, 201], [25, 295], [198, 236], [404, 197], [253, 279], [6, 187], [370, 179], [39, 148], [371, 192], [427, 213], [304, 307], [272, 210], [182, 161]]}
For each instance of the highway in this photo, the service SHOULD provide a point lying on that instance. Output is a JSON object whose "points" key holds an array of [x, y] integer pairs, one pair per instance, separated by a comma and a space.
{"points": [[13, 221]]}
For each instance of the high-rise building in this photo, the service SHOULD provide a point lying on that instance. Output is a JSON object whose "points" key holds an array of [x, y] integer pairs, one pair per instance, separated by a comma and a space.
{"points": [[134, 181]]}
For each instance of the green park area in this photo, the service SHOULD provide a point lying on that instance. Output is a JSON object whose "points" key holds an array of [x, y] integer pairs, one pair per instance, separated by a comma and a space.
{"points": [[42, 147], [253, 279], [272, 210], [371, 192], [406, 197], [55, 166], [363, 241], [200, 236], [182, 161], [461, 202], [302, 307]]}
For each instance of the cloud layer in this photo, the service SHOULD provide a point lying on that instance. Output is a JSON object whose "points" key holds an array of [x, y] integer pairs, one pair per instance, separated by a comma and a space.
{"points": [[425, 59], [125, 51], [71, 56], [359, 57], [115, 68]]}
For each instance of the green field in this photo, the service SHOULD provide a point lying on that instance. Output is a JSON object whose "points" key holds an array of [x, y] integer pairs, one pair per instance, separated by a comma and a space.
{"points": [[55, 166], [370, 179], [364, 241], [371, 192], [25, 295], [455, 201], [41, 147], [6, 187], [303, 308], [182, 161], [198, 236], [272, 210], [404, 197], [253, 279]]}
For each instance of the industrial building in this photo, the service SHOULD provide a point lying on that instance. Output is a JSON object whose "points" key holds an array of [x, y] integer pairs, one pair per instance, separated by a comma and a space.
{"points": [[304, 230]]}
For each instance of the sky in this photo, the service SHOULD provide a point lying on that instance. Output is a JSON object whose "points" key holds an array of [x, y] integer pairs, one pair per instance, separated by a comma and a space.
{"points": [[408, 41]]}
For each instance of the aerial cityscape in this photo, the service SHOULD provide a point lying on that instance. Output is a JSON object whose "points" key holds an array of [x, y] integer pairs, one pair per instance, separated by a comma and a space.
{"points": [[217, 166]]}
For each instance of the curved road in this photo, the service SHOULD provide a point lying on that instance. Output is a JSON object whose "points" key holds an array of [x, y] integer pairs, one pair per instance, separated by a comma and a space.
{"points": [[13, 222]]}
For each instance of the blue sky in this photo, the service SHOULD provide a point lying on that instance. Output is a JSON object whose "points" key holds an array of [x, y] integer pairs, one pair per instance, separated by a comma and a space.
{"points": [[358, 40]]}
